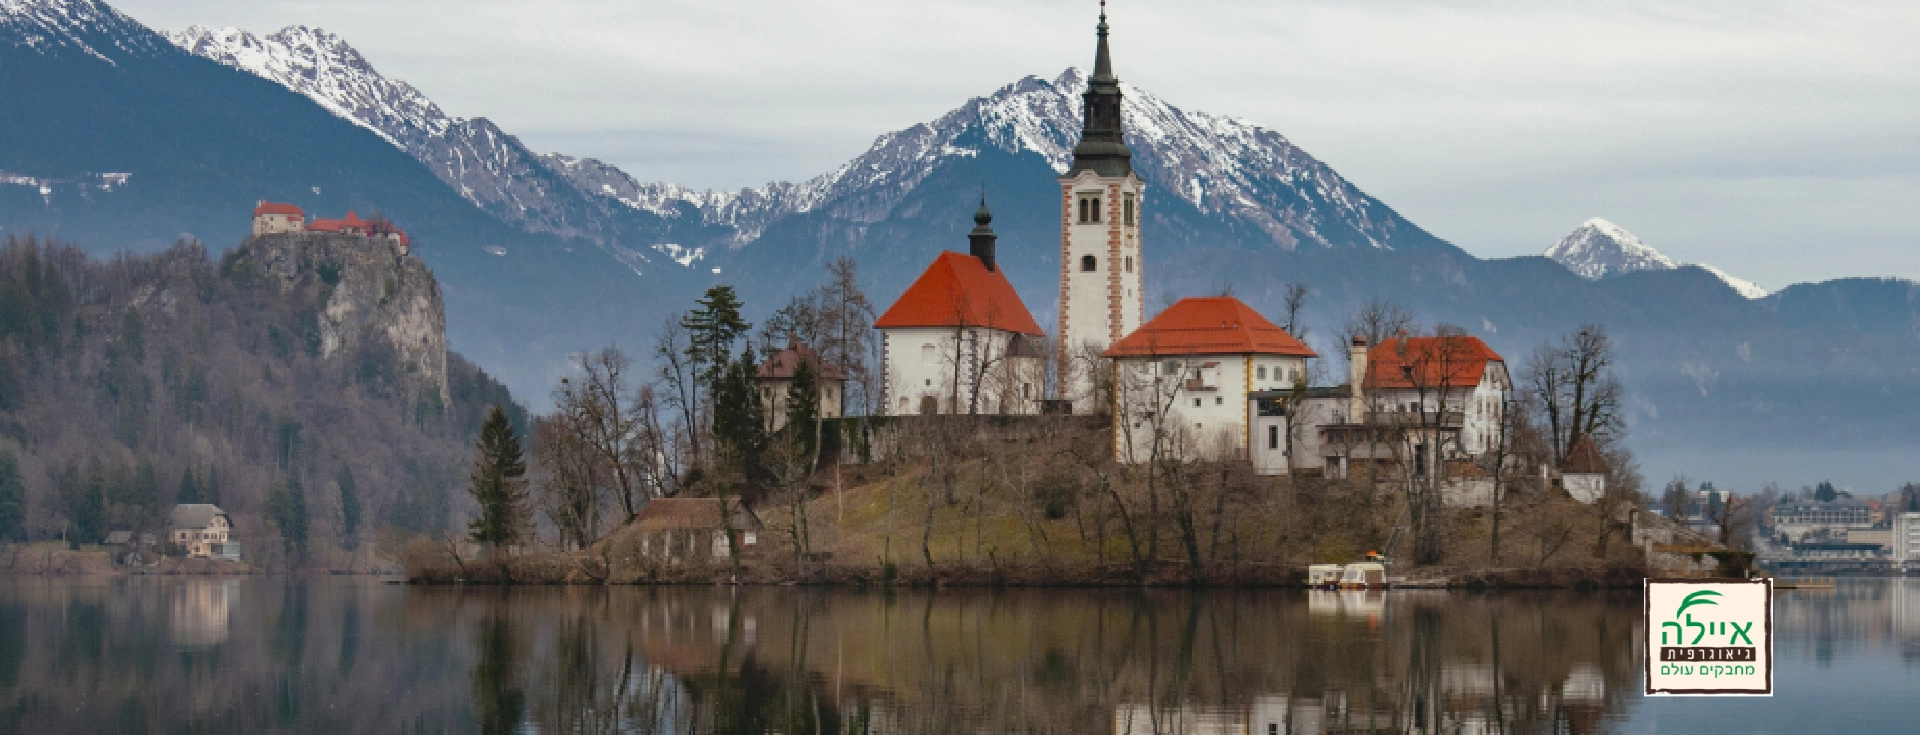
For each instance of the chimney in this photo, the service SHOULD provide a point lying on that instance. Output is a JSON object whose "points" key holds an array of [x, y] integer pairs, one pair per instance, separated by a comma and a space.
{"points": [[1356, 380], [981, 240]]}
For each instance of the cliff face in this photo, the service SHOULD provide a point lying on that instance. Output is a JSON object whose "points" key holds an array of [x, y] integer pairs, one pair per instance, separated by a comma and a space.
{"points": [[376, 294]]}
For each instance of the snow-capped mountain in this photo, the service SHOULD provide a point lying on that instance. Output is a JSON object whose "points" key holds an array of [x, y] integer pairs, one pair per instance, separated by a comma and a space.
{"points": [[1598, 248], [1225, 168], [472, 155], [87, 26]]}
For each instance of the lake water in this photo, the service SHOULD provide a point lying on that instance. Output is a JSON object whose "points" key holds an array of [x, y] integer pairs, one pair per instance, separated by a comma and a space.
{"points": [[353, 655]]}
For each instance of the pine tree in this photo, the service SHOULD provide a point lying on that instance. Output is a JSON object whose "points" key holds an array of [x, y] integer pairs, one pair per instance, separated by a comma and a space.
{"points": [[803, 407], [497, 485], [189, 492], [739, 427], [349, 509], [287, 508], [13, 495], [713, 328], [1824, 492]]}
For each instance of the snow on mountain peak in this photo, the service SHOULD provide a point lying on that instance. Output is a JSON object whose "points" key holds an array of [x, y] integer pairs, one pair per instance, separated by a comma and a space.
{"points": [[92, 27], [1598, 248], [327, 70]]}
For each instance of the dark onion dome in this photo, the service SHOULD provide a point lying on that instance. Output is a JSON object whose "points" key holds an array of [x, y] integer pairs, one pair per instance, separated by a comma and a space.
{"points": [[1103, 147]]}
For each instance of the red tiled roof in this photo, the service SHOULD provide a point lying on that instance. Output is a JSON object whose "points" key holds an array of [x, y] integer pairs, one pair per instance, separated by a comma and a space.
{"points": [[353, 220], [782, 364], [1428, 362], [323, 225], [278, 208], [1585, 459], [958, 291], [1217, 325]]}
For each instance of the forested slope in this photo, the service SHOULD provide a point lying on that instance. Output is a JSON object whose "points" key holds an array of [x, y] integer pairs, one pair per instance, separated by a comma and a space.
{"points": [[292, 382]]}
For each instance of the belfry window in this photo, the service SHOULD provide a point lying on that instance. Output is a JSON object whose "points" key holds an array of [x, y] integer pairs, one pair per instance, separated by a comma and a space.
{"points": [[1089, 209], [1126, 201], [1129, 264], [1088, 264]]}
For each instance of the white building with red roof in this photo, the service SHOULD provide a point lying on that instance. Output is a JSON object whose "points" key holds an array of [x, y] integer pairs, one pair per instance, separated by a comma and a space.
{"points": [[1183, 384], [1415, 403], [774, 376], [959, 340], [272, 217]]}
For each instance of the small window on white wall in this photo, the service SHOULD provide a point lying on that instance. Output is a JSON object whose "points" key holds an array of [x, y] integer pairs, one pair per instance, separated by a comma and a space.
{"points": [[1262, 372], [929, 354]]}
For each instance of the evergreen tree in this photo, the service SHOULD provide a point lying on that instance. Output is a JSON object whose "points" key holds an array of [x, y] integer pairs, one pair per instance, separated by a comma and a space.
{"points": [[349, 509], [739, 418], [189, 491], [210, 490], [803, 407], [87, 507], [13, 496], [142, 491], [497, 485], [287, 508], [1824, 492], [712, 329]]}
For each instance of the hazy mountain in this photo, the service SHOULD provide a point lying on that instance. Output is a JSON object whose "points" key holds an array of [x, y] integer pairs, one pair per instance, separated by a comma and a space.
{"points": [[593, 255], [1598, 248]]}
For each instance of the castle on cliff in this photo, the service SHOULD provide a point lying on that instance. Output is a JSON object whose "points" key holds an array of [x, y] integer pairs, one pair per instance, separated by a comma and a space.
{"points": [[276, 217]]}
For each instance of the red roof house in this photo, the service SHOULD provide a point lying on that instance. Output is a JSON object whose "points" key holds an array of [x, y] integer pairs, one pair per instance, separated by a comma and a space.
{"points": [[957, 290], [1429, 362], [1218, 325], [278, 208]]}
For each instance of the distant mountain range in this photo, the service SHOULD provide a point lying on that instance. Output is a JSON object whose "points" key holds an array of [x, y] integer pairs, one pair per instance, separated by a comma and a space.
{"points": [[543, 253]]}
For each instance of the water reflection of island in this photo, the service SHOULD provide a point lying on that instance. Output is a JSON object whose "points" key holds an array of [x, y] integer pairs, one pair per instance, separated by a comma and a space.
{"points": [[200, 610], [1138, 663]]}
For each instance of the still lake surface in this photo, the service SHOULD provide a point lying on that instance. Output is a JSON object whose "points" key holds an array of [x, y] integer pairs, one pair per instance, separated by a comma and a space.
{"points": [[356, 655]]}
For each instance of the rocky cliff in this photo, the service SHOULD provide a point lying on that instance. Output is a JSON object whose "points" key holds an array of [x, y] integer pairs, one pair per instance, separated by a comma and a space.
{"points": [[375, 293]]}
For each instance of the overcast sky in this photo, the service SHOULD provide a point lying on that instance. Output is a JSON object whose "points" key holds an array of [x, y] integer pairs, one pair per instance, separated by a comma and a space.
{"points": [[1777, 140]]}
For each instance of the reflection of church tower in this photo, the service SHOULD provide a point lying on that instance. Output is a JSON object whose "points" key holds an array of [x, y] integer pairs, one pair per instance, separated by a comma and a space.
{"points": [[1100, 295]]}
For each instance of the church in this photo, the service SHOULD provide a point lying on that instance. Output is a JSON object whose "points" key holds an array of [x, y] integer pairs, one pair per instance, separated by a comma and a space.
{"points": [[961, 341]]}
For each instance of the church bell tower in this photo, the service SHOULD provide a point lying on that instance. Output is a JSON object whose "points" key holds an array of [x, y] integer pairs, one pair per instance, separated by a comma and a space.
{"points": [[1101, 299]]}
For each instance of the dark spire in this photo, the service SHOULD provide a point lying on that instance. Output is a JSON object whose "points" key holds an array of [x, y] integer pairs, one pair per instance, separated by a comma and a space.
{"points": [[981, 240], [1103, 147]]}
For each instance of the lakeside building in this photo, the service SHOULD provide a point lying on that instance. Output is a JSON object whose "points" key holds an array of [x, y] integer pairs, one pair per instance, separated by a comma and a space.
{"points": [[959, 340], [1802, 521], [1182, 384], [683, 531], [1584, 473], [774, 377], [204, 530], [1905, 541], [1415, 403]]}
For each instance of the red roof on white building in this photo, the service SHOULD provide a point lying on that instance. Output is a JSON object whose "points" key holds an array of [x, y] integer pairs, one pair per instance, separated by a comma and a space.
{"points": [[1218, 325], [957, 290]]}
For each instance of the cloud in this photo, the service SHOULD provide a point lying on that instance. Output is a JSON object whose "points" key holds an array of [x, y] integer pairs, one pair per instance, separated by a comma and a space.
{"points": [[1771, 138]]}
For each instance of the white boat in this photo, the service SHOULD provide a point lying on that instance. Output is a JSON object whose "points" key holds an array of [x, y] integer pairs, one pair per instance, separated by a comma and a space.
{"points": [[1323, 576], [1364, 576]]}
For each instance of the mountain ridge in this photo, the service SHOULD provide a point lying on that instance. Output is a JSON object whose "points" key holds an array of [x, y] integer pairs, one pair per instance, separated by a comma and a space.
{"points": [[1598, 249]]}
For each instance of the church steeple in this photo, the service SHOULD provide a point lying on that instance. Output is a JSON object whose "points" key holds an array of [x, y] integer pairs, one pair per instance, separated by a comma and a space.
{"points": [[1102, 148], [980, 242]]}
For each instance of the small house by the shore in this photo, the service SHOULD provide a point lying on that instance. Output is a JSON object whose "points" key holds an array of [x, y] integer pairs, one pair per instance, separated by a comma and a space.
{"points": [[682, 531], [203, 530], [775, 377]]}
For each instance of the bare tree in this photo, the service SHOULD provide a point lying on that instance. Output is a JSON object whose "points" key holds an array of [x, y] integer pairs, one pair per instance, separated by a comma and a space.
{"points": [[1376, 321], [1578, 393], [612, 419], [1294, 304], [567, 473]]}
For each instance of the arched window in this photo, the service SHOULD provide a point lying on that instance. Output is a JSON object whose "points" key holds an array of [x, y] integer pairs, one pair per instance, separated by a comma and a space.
{"points": [[1129, 264], [1087, 263]]}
